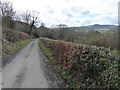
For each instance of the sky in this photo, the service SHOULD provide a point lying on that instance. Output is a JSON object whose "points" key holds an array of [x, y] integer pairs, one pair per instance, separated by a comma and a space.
{"points": [[72, 12]]}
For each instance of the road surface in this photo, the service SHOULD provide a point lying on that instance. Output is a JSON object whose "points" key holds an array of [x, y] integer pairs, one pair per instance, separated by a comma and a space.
{"points": [[25, 70]]}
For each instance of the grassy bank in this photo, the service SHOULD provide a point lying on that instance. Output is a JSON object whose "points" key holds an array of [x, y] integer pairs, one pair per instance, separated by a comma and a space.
{"points": [[9, 49], [47, 52], [82, 66]]}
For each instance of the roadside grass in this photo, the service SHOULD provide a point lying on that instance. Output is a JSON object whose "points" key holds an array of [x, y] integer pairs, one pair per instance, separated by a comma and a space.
{"points": [[47, 52], [9, 49], [64, 74]]}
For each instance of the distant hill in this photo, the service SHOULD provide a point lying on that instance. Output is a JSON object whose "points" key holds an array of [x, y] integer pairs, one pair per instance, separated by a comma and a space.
{"points": [[96, 27]]}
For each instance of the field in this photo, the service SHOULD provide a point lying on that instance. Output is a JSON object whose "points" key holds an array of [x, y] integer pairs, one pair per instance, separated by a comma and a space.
{"points": [[105, 38]]}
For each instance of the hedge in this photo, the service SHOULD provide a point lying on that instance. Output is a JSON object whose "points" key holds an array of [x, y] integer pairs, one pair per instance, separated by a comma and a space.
{"points": [[85, 66]]}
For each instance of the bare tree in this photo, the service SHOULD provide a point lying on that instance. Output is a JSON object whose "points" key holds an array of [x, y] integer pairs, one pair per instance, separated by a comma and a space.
{"points": [[29, 17], [33, 21], [17, 16], [7, 13], [7, 9]]}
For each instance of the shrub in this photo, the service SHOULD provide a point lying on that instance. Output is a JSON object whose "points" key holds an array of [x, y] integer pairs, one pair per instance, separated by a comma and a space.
{"points": [[13, 36], [85, 65]]}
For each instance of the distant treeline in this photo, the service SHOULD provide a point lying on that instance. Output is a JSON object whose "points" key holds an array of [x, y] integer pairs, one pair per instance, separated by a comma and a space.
{"points": [[107, 38], [26, 22]]}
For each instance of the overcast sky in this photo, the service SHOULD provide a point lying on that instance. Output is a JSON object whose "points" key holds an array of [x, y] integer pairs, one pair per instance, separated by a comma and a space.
{"points": [[72, 12]]}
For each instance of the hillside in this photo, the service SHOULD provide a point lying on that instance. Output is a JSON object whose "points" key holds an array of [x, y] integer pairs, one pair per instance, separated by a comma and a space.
{"points": [[12, 42], [95, 27]]}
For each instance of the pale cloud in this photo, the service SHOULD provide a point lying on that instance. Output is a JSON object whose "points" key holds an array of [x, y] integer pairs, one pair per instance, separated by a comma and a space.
{"points": [[72, 12]]}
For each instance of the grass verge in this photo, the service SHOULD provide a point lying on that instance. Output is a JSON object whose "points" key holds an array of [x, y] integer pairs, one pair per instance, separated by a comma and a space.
{"points": [[47, 52], [63, 74], [9, 49]]}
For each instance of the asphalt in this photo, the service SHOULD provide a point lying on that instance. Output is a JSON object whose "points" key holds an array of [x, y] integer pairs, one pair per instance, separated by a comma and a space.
{"points": [[27, 70]]}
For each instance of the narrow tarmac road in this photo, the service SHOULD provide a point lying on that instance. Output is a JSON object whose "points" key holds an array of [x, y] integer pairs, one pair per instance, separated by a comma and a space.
{"points": [[25, 70]]}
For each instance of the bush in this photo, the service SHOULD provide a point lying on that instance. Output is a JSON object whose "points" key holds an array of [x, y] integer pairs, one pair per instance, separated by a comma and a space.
{"points": [[14, 36], [85, 65]]}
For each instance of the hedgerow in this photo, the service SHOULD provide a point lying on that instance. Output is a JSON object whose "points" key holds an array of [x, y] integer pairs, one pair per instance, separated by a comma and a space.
{"points": [[85, 66]]}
